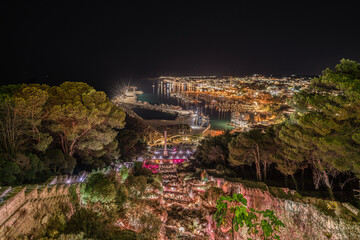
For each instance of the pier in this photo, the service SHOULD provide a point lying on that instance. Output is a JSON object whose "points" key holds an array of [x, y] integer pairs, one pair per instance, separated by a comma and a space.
{"points": [[160, 108], [198, 124]]}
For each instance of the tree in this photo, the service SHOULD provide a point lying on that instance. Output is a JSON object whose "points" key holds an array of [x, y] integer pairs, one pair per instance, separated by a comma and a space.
{"points": [[19, 168], [21, 113], [232, 212], [305, 141], [287, 157], [59, 162], [79, 118], [22, 110], [75, 108], [8, 170], [29, 102], [14, 129], [252, 147], [327, 123], [214, 150], [99, 147], [142, 128], [130, 144], [33, 167]]}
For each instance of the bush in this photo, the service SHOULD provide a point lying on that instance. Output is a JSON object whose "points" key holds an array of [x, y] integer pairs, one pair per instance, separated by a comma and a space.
{"points": [[139, 170], [249, 184], [98, 189], [57, 223], [137, 186], [8, 170], [124, 235], [91, 223], [124, 173], [151, 225], [71, 236], [122, 195]]}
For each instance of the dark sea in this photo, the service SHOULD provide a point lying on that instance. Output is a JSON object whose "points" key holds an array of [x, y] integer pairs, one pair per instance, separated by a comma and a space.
{"points": [[159, 92]]}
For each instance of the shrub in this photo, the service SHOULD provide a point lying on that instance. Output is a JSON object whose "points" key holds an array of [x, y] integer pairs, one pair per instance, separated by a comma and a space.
{"points": [[122, 195], [98, 189]]}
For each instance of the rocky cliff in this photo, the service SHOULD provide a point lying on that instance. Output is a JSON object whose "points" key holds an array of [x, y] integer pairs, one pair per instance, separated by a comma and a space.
{"points": [[304, 217]]}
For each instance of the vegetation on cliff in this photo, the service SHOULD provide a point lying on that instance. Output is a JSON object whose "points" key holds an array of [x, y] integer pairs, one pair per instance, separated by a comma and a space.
{"points": [[112, 206], [233, 214]]}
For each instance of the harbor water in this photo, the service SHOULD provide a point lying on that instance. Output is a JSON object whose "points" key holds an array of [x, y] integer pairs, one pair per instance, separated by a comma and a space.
{"points": [[160, 92]]}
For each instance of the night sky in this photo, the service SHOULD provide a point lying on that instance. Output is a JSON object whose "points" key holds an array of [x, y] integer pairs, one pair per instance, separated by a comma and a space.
{"points": [[104, 42]]}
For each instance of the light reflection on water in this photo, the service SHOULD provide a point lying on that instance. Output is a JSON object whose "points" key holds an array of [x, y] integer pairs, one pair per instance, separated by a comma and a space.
{"points": [[158, 92]]}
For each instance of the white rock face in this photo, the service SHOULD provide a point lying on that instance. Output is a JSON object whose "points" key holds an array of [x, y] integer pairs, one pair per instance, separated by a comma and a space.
{"points": [[302, 220]]}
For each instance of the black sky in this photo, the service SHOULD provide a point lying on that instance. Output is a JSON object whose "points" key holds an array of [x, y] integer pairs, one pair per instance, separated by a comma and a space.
{"points": [[101, 42]]}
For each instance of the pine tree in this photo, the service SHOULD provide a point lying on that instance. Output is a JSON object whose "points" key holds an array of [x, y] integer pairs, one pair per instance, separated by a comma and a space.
{"points": [[326, 126]]}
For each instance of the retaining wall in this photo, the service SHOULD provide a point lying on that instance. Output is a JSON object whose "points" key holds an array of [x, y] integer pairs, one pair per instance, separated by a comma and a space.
{"points": [[25, 210]]}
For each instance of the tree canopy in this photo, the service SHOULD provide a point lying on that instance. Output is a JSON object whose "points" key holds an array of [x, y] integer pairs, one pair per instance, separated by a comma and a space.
{"points": [[75, 109], [214, 150], [53, 128], [325, 127], [322, 136], [253, 147]]}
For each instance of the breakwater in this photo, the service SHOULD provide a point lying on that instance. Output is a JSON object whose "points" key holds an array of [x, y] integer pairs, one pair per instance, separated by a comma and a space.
{"points": [[160, 108]]}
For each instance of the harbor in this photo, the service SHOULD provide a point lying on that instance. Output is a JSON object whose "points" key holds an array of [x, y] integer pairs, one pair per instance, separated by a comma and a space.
{"points": [[163, 117]]}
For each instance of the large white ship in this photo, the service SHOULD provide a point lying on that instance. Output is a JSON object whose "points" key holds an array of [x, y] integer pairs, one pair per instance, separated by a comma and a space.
{"points": [[128, 95]]}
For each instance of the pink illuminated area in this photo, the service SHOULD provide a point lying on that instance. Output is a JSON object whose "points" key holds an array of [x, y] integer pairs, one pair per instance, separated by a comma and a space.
{"points": [[154, 168], [165, 160], [178, 160]]}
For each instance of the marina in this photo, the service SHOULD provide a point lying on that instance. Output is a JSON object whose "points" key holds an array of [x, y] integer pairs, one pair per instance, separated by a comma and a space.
{"points": [[162, 96]]}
